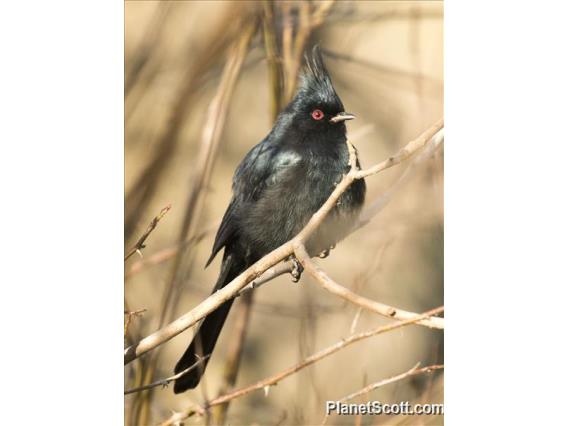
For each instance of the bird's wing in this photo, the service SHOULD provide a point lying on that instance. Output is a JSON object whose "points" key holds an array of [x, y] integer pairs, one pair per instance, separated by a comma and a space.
{"points": [[225, 232], [263, 166]]}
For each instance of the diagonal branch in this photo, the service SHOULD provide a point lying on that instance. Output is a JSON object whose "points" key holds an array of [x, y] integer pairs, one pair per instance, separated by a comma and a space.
{"points": [[230, 290], [129, 316], [274, 379], [169, 252], [140, 243], [367, 214], [414, 371], [327, 283], [165, 382]]}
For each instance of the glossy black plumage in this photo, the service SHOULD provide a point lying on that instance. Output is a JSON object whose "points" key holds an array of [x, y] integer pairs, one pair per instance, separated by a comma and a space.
{"points": [[277, 187]]}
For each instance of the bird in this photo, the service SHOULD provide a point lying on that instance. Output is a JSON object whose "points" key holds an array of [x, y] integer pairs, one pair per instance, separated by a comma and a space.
{"points": [[278, 186]]}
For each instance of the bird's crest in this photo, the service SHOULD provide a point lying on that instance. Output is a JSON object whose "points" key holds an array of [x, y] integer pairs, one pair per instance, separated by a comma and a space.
{"points": [[316, 81]]}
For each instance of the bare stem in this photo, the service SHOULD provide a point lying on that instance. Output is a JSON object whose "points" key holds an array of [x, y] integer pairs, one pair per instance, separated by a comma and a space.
{"points": [[274, 379], [414, 371], [129, 315], [328, 284], [140, 243], [165, 382]]}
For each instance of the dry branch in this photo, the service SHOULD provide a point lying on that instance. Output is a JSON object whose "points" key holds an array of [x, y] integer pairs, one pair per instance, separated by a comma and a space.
{"points": [[210, 141], [230, 290], [165, 382], [275, 72], [129, 315], [143, 188], [268, 275], [234, 353], [140, 243], [293, 47], [169, 252], [377, 205], [414, 371], [273, 380], [368, 213], [327, 283]]}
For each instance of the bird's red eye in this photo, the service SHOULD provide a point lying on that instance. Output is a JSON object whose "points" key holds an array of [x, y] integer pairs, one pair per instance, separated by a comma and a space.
{"points": [[317, 114]]}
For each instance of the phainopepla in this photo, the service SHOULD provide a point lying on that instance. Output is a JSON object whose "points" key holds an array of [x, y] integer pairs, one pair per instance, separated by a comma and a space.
{"points": [[277, 187]]}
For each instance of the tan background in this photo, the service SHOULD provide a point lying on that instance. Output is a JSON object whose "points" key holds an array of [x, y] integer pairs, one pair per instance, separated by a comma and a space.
{"points": [[394, 85]]}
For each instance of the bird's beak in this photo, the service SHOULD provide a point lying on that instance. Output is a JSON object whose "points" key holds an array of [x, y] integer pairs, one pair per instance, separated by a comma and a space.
{"points": [[342, 116]]}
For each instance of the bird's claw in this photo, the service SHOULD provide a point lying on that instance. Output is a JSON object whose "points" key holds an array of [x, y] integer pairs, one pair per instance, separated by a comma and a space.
{"points": [[297, 270], [325, 252]]}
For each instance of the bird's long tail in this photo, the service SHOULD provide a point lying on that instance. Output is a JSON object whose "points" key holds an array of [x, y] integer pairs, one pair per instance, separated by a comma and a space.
{"points": [[204, 340]]}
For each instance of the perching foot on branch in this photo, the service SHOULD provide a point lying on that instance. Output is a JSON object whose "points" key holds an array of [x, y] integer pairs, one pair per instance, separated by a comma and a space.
{"points": [[297, 269], [325, 252]]}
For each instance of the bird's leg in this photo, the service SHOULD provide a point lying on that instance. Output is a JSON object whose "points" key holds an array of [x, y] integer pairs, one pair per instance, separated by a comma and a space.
{"points": [[325, 252], [297, 269]]}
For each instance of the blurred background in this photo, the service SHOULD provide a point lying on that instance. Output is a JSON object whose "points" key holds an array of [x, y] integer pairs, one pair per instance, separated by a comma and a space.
{"points": [[191, 114]]}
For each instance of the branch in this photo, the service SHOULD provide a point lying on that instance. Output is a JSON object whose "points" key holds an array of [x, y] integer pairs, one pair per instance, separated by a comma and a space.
{"points": [[208, 305], [380, 203], [406, 152], [129, 316], [368, 213], [414, 371], [165, 382], [209, 146], [327, 283], [273, 380], [203, 58], [230, 290], [271, 273], [169, 252], [140, 243], [309, 19], [234, 354]]}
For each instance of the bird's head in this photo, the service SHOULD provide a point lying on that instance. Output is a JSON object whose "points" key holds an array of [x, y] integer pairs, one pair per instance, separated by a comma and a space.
{"points": [[316, 108]]}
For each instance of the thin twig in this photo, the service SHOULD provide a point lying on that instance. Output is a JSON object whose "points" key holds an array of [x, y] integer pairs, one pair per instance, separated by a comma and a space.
{"points": [[210, 141], [327, 283], [293, 48], [234, 354], [213, 127], [217, 113], [414, 371], [145, 185], [169, 252], [271, 273], [165, 382], [365, 18], [406, 152], [355, 320], [377, 205], [273, 380], [129, 316], [380, 67], [140, 243], [275, 72]]}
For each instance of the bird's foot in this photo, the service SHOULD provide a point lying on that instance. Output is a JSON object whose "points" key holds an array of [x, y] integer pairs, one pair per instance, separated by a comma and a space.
{"points": [[325, 252], [297, 269]]}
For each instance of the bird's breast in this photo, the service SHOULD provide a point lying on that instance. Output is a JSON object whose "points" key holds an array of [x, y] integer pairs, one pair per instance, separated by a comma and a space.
{"points": [[286, 206]]}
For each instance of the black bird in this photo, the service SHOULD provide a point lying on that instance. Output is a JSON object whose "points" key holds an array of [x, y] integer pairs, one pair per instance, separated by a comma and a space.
{"points": [[277, 187]]}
